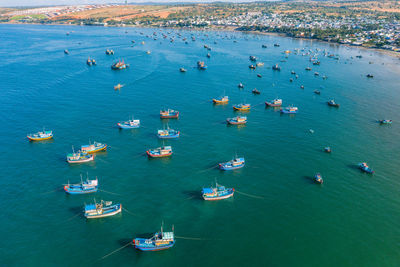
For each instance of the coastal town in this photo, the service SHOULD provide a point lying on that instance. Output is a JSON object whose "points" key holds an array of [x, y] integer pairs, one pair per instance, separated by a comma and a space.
{"points": [[369, 24]]}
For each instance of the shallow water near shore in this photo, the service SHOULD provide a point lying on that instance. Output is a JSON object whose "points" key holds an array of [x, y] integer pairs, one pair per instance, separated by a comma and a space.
{"points": [[278, 216]]}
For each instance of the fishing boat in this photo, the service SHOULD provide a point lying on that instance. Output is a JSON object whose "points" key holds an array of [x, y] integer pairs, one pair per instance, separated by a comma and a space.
{"points": [[301, 86], [237, 120], [182, 70], [253, 58], [259, 75], [90, 61], [364, 167], [274, 103], [276, 67], [102, 209], [327, 149], [40, 136], [385, 121], [291, 80], [308, 68], [370, 76], [316, 63], [242, 107], [84, 187], [253, 67], [222, 100], [93, 148], [318, 178], [148, 52], [240, 85], [316, 73], [332, 103], [169, 114], [217, 193], [317, 92], [159, 241], [160, 152], [129, 124], [234, 164], [201, 66], [289, 110], [119, 65], [118, 86], [66, 52], [293, 72], [208, 55], [168, 133], [259, 64], [255, 91], [79, 157], [277, 45], [264, 46], [109, 52]]}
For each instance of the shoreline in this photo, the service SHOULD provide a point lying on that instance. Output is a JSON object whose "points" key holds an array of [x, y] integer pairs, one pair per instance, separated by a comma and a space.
{"points": [[226, 29]]}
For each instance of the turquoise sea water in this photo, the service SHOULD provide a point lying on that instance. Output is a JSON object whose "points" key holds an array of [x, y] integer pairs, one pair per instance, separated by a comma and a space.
{"points": [[283, 220]]}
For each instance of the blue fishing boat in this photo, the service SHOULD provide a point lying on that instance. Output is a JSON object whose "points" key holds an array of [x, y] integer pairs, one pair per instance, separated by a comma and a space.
{"points": [[93, 148], [289, 110], [102, 209], [130, 124], [365, 168], [237, 120], [40, 136], [253, 58], [159, 241], [217, 193], [168, 133], [318, 178], [79, 157], [240, 85], [327, 149], [84, 187], [276, 67], [234, 164], [90, 61], [119, 65], [201, 66]]}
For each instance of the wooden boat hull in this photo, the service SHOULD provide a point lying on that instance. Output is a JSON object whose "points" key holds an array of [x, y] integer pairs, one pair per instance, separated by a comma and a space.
{"points": [[241, 109], [283, 111], [72, 191], [81, 160], [219, 197], [151, 155], [39, 138], [272, 105], [108, 214], [123, 126], [172, 136], [152, 248], [216, 101], [169, 116], [235, 122], [97, 149], [226, 168]]}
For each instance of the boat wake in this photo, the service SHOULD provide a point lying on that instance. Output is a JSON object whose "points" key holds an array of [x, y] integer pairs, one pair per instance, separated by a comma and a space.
{"points": [[248, 195]]}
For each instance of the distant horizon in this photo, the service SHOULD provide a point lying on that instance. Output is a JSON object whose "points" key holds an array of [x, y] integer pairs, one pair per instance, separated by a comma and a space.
{"points": [[48, 3]]}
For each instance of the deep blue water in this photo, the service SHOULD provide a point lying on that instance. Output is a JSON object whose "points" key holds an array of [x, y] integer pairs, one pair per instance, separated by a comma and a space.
{"points": [[278, 217]]}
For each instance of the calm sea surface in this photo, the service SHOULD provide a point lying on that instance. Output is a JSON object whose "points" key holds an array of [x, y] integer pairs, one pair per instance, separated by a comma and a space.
{"points": [[278, 217]]}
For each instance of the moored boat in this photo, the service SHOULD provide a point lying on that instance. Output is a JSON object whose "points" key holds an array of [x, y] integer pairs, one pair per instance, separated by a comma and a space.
{"points": [[159, 241], [317, 92], [217, 193], [222, 100], [370, 76], [129, 124], [276, 67], [385, 121], [365, 168], [259, 76], [90, 61], [119, 65], [84, 187], [242, 107], [253, 58], [160, 152], [169, 114], [308, 68], [118, 86], [318, 178], [234, 164], [240, 85], [40, 136], [260, 64], [327, 149], [182, 70], [332, 103], [255, 91], [237, 120], [289, 110], [201, 66], [93, 148], [109, 52], [102, 209], [66, 52], [253, 67], [79, 157], [274, 103], [168, 133]]}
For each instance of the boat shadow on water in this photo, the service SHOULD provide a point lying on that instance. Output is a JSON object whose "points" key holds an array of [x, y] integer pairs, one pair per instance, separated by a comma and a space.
{"points": [[193, 195], [309, 179]]}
